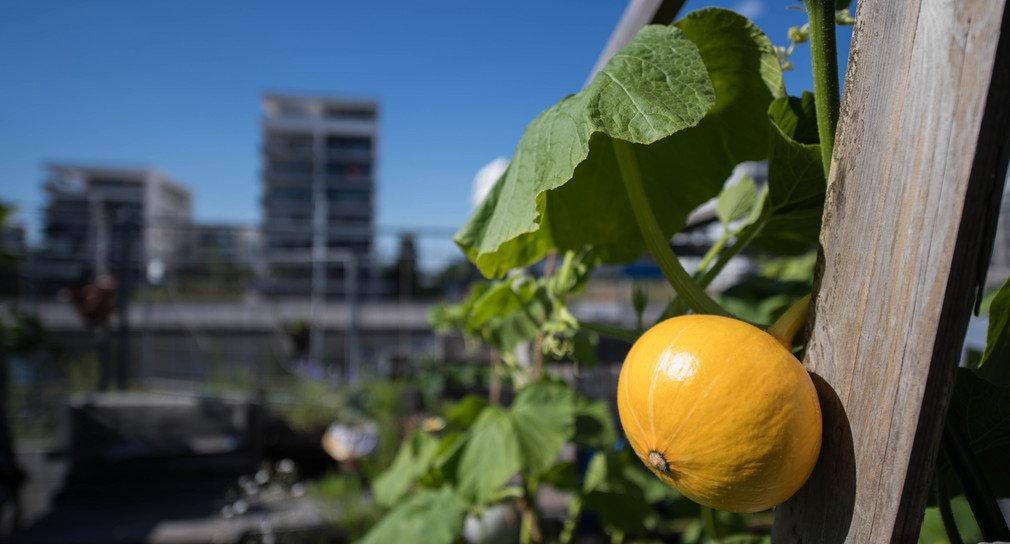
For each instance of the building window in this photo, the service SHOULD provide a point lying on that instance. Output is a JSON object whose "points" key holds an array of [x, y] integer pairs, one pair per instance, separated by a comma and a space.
{"points": [[287, 167], [350, 114], [348, 143], [348, 170], [348, 197], [287, 194], [114, 183]]}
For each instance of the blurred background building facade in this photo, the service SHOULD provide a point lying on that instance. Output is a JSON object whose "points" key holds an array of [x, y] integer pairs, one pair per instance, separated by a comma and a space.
{"points": [[319, 157], [98, 217]]}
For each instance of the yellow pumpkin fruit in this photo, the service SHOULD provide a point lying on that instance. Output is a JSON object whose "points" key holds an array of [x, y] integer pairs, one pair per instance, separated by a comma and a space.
{"points": [[721, 411]]}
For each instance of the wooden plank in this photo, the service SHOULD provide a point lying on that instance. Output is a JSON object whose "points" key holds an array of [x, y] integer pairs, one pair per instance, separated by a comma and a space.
{"points": [[912, 201]]}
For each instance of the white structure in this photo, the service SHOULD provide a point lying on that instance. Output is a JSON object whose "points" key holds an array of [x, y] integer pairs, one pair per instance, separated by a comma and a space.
{"points": [[97, 215]]}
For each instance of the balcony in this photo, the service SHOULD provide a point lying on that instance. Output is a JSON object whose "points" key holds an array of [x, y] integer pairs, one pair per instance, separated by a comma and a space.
{"points": [[276, 206], [348, 154], [288, 151], [334, 181], [349, 233], [275, 178]]}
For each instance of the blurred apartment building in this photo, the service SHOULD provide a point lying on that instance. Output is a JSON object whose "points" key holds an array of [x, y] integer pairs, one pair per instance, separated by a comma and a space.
{"points": [[102, 219], [319, 157]]}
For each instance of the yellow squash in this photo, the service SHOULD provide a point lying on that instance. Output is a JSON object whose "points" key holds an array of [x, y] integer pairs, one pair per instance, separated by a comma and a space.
{"points": [[721, 411]]}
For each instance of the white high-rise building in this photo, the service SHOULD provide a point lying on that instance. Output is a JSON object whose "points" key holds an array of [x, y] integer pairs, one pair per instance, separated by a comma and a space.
{"points": [[319, 156]]}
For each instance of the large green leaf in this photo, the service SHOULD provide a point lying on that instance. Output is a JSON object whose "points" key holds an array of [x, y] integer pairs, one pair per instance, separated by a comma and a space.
{"points": [[995, 365], [412, 461], [543, 418], [428, 517], [489, 456], [796, 183], [692, 98], [982, 409], [465, 412]]}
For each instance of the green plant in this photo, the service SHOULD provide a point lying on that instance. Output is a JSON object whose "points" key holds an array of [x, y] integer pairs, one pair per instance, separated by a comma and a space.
{"points": [[345, 494], [600, 177]]}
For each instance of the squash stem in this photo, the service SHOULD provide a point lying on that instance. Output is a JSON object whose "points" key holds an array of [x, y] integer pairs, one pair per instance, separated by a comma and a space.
{"points": [[708, 521], [655, 241], [790, 323]]}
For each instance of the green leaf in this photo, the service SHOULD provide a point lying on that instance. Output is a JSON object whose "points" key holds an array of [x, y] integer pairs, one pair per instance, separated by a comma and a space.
{"points": [[411, 463], [789, 233], [794, 176], [796, 183], [465, 413], [543, 418], [652, 488], [501, 298], [572, 275], [584, 348], [594, 426], [596, 472], [995, 365], [445, 318], [489, 456], [693, 100], [429, 517], [508, 331], [563, 475], [622, 511], [508, 312], [736, 202], [983, 410]]}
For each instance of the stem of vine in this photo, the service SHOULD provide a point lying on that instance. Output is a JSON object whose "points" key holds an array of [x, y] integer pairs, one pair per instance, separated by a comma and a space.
{"points": [[655, 241], [824, 57], [946, 514]]}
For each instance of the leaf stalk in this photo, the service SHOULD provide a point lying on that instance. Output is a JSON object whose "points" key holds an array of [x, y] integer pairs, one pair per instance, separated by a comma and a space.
{"points": [[620, 333], [655, 241]]}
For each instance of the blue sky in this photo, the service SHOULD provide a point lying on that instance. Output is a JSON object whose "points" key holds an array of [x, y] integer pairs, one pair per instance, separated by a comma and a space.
{"points": [[176, 86]]}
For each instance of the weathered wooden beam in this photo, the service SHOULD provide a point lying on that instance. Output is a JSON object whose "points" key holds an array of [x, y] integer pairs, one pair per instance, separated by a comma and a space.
{"points": [[918, 168]]}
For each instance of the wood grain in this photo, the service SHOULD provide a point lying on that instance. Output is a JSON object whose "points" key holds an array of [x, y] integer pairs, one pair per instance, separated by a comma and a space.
{"points": [[917, 171]]}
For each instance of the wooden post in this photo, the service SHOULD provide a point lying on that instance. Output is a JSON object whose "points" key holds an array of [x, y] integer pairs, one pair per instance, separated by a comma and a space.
{"points": [[917, 176]]}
